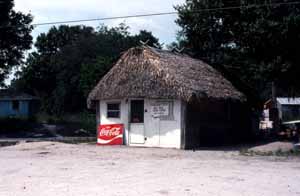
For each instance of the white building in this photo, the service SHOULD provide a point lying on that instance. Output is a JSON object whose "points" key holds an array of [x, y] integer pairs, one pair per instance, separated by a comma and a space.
{"points": [[165, 99], [288, 108]]}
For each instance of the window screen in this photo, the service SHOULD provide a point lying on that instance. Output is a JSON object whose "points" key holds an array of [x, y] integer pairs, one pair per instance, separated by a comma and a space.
{"points": [[113, 110], [137, 111]]}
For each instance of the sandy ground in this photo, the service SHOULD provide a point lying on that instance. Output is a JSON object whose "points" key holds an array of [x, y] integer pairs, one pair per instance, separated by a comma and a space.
{"points": [[57, 169]]}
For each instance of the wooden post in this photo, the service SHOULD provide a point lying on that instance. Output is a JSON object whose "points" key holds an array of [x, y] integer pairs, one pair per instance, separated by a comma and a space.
{"points": [[274, 101], [274, 110]]}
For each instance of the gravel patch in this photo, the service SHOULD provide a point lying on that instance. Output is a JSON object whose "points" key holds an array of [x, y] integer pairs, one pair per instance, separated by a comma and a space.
{"points": [[274, 147]]}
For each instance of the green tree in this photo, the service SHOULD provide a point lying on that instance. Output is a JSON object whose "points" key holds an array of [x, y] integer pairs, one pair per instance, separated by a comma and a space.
{"points": [[15, 37], [146, 36], [254, 45], [69, 61], [90, 73]]}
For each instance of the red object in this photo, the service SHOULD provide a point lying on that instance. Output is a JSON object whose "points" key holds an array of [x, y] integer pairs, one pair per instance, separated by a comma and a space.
{"points": [[110, 134]]}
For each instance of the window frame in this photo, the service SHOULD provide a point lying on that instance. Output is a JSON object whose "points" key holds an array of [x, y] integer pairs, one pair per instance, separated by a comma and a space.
{"points": [[142, 120], [108, 111]]}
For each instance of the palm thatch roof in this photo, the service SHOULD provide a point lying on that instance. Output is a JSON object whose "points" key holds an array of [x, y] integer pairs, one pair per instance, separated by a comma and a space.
{"points": [[147, 72]]}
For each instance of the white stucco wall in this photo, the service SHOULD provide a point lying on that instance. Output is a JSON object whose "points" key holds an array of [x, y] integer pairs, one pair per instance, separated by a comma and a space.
{"points": [[168, 130], [123, 116], [158, 132]]}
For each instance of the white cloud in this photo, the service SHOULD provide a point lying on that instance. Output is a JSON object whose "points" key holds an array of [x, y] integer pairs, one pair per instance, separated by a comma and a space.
{"points": [[163, 27]]}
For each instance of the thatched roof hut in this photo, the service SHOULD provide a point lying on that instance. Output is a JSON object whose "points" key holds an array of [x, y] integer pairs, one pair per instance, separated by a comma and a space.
{"points": [[166, 99], [152, 73]]}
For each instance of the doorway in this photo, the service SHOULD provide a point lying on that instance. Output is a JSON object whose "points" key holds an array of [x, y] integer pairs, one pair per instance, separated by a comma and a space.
{"points": [[136, 122]]}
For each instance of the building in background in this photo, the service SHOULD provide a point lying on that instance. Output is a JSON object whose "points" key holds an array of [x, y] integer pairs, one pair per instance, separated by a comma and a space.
{"points": [[288, 108], [17, 104]]}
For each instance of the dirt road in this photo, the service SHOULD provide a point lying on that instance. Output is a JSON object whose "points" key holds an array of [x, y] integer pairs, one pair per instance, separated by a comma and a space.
{"points": [[56, 169]]}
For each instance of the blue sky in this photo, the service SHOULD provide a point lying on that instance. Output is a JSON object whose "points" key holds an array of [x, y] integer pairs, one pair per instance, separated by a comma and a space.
{"points": [[162, 27]]}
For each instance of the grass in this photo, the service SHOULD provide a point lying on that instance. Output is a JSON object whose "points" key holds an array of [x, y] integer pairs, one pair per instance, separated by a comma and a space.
{"points": [[85, 120], [77, 124]]}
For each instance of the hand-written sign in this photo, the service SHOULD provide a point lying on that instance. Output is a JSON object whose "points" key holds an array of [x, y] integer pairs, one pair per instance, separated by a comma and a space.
{"points": [[110, 134], [160, 109]]}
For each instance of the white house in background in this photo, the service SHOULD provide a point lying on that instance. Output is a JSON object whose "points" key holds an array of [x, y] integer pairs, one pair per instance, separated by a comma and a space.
{"points": [[167, 99], [288, 108]]}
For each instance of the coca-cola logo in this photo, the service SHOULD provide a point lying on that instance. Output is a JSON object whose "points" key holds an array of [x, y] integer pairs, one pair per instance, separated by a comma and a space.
{"points": [[110, 132]]}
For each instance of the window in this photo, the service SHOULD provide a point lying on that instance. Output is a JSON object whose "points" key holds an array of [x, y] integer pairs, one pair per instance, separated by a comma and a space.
{"points": [[15, 105], [137, 111], [113, 110]]}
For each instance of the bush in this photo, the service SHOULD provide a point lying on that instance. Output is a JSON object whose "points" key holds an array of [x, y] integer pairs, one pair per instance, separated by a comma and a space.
{"points": [[71, 122], [88, 122], [9, 125]]}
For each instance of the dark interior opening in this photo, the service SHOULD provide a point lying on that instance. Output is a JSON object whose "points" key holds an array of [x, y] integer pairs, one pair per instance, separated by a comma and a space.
{"points": [[216, 123], [137, 111]]}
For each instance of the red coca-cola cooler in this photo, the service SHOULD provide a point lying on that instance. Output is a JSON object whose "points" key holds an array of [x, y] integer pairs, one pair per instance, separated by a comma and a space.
{"points": [[110, 134]]}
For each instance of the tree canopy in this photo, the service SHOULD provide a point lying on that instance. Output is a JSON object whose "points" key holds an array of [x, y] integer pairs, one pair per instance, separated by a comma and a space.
{"points": [[15, 37], [254, 45], [70, 60]]}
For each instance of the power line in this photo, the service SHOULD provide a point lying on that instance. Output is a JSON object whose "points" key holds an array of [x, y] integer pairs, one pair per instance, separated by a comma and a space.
{"points": [[165, 13], [161, 14], [107, 18]]}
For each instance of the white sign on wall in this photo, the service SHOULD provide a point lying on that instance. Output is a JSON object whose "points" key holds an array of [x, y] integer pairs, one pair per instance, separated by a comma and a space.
{"points": [[160, 109]]}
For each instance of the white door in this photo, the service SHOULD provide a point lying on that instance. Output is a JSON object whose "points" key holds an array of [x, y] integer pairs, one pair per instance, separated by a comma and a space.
{"points": [[136, 124], [152, 125]]}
